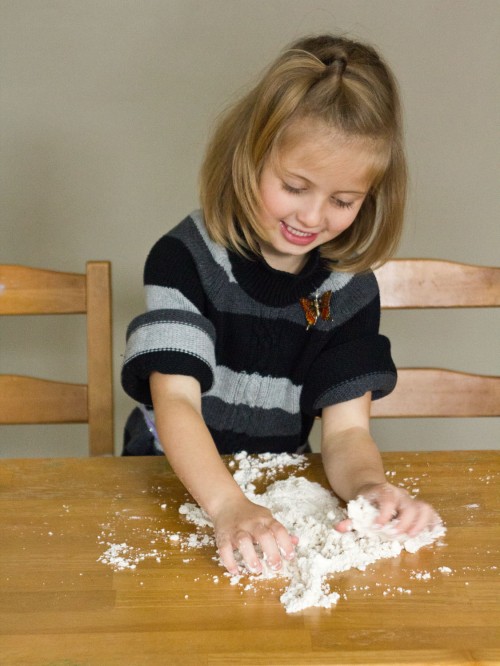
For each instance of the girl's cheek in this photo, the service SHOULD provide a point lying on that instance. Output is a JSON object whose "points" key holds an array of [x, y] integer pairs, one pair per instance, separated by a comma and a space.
{"points": [[340, 225], [352, 216]]}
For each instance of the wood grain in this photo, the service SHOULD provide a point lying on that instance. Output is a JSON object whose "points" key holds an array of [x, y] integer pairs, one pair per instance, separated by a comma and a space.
{"points": [[429, 392], [435, 283], [60, 605], [99, 359], [32, 400], [27, 290]]}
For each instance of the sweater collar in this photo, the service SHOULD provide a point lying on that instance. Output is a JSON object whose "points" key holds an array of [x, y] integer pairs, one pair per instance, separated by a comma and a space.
{"points": [[278, 288]]}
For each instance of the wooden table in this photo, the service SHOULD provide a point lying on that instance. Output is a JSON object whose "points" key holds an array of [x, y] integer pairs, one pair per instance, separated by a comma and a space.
{"points": [[61, 606]]}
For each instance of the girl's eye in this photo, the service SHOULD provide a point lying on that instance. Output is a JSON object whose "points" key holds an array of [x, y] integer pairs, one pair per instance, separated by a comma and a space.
{"points": [[299, 190], [343, 204], [291, 189]]}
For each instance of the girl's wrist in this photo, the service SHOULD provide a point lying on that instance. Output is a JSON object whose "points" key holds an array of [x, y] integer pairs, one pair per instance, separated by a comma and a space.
{"points": [[227, 497], [367, 485]]}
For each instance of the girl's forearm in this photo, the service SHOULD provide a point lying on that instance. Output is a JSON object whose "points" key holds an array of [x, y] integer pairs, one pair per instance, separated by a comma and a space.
{"points": [[351, 460], [194, 458], [239, 524], [187, 442]]}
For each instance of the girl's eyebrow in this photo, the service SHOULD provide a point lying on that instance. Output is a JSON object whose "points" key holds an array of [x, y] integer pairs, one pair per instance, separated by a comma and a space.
{"points": [[357, 192]]}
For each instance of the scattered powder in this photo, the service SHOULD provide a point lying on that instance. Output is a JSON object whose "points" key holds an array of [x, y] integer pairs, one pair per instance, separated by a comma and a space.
{"points": [[263, 466], [118, 556], [488, 478], [309, 511], [421, 575]]}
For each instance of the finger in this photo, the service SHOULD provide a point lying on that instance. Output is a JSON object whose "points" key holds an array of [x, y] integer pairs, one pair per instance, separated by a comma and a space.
{"points": [[226, 554], [269, 546], [388, 511], [344, 526], [385, 498], [426, 518], [412, 514], [246, 548], [389, 506], [394, 503], [286, 542]]}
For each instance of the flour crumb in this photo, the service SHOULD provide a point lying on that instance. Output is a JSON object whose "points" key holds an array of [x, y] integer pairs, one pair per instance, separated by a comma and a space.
{"points": [[118, 556], [421, 575]]}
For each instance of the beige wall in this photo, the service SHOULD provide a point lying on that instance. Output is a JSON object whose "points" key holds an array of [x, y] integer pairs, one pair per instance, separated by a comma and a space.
{"points": [[105, 108]]}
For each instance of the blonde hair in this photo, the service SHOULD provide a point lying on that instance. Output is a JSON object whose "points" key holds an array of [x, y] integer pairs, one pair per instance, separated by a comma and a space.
{"points": [[347, 86]]}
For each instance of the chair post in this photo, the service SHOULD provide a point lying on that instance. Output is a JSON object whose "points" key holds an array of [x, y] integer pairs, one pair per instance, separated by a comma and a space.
{"points": [[99, 358]]}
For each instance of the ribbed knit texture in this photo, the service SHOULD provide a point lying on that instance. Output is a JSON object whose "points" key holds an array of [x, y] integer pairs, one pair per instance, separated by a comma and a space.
{"points": [[237, 326]]}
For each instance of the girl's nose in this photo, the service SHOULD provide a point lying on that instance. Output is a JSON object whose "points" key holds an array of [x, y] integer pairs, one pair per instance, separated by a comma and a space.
{"points": [[311, 214]]}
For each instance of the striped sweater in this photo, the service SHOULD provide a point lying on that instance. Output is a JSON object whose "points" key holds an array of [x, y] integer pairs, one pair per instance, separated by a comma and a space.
{"points": [[237, 325]]}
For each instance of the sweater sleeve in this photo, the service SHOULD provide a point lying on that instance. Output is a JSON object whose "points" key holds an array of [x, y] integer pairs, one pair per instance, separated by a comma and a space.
{"points": [[357, 359], [173, 336]]}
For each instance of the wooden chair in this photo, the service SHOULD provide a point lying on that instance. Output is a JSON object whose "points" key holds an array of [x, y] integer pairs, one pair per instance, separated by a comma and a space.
{"points": [[23, 400], [428, 392]]}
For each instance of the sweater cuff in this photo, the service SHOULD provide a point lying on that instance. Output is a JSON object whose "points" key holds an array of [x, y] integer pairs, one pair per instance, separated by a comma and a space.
{"points": [[171, 342], [349, 371], [135, 374]]}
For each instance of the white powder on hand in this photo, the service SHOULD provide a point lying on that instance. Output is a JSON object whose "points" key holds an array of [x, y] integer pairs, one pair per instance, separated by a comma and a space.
{"points": [[310, 512], [363, 515]]}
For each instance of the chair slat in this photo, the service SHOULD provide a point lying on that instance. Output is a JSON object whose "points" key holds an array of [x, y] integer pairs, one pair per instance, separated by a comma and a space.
{"points": [[99, 366], [25, 290], [433, 392], [33, 400], [430, 283]]}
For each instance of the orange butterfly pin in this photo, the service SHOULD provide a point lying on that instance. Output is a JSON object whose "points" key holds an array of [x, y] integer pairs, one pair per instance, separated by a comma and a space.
{"points": [[317, 307]]}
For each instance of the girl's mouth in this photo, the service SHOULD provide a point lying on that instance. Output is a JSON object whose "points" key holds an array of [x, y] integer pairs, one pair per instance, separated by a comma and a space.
{"points": [[296, 236]]}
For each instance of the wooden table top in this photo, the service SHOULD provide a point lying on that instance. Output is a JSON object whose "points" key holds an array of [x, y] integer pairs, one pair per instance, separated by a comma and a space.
{"points": [[61, 606]]}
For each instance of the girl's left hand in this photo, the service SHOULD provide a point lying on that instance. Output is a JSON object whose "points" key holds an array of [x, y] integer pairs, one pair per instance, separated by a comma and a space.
{"points": [[393, 502]]}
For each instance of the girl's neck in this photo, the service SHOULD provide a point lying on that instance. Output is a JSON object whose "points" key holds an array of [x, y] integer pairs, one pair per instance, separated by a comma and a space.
{"points": [[287, 263]]}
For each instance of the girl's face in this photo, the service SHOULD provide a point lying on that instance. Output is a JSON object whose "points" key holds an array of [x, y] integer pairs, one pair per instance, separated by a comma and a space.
{"points": [[311, 194]]}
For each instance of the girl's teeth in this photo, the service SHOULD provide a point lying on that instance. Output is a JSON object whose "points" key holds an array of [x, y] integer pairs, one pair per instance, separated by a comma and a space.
{"points": [[296, 232]]}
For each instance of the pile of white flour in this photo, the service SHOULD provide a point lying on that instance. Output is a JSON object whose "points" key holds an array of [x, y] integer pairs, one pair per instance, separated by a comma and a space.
{"points": [[309, 511]]}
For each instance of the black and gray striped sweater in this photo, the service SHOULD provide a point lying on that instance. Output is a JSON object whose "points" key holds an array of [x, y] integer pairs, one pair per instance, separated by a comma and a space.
{"points": [[237, 325]]}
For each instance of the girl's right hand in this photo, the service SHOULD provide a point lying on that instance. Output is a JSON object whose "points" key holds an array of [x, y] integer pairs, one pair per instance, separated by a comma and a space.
{"points": [[242, 525]]}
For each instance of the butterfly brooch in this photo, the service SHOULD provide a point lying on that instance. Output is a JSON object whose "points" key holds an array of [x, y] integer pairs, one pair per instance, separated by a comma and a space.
{"points": [[317, 307]]}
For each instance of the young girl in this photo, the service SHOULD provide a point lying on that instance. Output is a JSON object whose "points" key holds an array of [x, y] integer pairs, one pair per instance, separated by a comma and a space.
{"points": [[262, 311]]}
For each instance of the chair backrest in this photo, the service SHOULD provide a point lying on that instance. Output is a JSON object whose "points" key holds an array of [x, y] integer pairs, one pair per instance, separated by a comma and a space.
{"points": [[428, 392], [23, 400]]}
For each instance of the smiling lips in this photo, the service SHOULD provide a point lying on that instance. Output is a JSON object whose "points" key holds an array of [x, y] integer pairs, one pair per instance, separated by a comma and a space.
{"points": [[296, 236]]}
